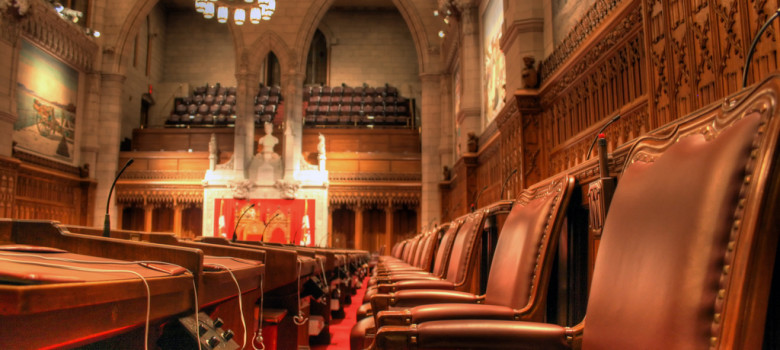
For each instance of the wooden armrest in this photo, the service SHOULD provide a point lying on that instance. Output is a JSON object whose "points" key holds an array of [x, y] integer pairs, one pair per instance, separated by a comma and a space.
{"points": [[415, 297], [415, 284], [436, 312], [473, 334]]}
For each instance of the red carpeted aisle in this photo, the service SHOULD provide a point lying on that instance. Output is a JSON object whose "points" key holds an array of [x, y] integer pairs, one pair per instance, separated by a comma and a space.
{"points": [[339, 329]]}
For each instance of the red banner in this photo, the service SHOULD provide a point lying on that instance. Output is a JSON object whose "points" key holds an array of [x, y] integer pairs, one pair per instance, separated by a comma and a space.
{"points": [[289, 221]]}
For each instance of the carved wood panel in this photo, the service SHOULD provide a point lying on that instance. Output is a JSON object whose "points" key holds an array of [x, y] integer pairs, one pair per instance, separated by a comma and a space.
{"points": [[731, 44], [41, 195]]}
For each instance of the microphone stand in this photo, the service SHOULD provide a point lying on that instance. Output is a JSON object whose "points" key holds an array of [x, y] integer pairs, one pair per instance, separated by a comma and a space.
{"points": [[614, 119], [235, 229], [474, 203], [503, 186], [265, 224], [753, 46], [107, 221]]}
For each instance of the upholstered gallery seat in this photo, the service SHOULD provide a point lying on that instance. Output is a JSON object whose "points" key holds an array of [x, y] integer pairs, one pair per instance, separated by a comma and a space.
{"points": [[687, 249]]}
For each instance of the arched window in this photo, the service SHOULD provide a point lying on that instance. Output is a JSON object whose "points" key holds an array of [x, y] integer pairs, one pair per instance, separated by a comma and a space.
{"points": [[273, 72], [317, 62]]}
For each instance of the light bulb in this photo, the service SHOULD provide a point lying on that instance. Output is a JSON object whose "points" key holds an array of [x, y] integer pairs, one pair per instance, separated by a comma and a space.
{"points": [[254, 15], [239, 16], [222, 14], [208, 10]]}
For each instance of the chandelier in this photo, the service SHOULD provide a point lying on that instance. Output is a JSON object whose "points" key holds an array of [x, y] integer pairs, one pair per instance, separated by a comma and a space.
{"points": [[256, 9]]}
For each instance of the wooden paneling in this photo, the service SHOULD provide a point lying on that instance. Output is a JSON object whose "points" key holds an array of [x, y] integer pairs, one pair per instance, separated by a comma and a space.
{"points": [[37, 188], [183, 139], [405, 141], [650, 61]]}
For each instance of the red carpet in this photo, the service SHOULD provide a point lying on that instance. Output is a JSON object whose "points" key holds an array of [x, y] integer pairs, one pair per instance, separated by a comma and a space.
{"points": [[339, 329]]}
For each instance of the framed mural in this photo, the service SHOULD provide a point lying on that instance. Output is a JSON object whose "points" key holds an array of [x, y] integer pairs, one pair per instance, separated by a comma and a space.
{"points": [[494, 79], [46, 105], [287, 221]]}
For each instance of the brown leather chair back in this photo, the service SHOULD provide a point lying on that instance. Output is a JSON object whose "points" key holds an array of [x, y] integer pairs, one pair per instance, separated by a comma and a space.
{"points": [[425, 239], [691, 224], [398, 249], [409, 248], [464, 248], [430, 250], [445, 247], [526, 247]]}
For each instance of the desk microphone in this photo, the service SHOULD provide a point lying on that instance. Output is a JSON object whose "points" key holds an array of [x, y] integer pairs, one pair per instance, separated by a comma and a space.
{"points": [[235, 237], [590, 149], [503, 186], [753, 46], [474, 204], [265, 223], [107, 222]]}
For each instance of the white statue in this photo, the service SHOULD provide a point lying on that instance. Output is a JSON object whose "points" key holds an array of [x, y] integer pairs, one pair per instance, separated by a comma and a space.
{"points": [[268, 141], [321, 145], [321, 151]]}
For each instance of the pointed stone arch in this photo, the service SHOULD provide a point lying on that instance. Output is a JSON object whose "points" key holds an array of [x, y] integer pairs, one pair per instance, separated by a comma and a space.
{"points": [[266, 43], [408, 11], [130, 27]]}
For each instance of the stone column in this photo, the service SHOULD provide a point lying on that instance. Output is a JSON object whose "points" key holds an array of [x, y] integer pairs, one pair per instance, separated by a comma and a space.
{"points": [[358, 225], [524, 35], [243, 144], [292, 92], [431, 162], [389, 227], [447, 122], [471, 78], [109, 126], [89, 123]]}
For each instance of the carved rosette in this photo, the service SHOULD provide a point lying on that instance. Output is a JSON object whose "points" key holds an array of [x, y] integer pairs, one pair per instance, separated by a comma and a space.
{"points": [[288, 188], [240, 188]]}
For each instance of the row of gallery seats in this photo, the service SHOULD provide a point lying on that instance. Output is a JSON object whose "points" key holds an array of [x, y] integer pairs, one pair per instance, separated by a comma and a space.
{"points": [[348, 106], [215, 105], [680, 262]]}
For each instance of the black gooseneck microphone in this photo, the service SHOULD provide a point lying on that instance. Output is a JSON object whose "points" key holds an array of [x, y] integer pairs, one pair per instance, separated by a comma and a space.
{"points": [[235, 237], [503, 186], [265, 223], [107, 221], [590, 149], [753, 46], [476, 199]]}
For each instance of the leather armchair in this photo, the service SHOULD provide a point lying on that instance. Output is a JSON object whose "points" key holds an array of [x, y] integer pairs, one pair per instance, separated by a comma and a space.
{"points": [[527, 238], [681, 261], [517, 281]]}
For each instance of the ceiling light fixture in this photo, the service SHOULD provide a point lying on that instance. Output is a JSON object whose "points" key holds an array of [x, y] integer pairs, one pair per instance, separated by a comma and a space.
{"points": [[258, 10]]}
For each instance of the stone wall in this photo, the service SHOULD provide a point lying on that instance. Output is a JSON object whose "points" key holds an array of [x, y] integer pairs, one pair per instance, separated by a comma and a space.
{"points": [[372, 47]]}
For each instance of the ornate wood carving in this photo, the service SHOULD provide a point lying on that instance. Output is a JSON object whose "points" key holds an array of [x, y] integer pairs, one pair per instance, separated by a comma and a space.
{"points": [[374, 196], [32, 159], [65, 40], [590, 20], [45, 194]]}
